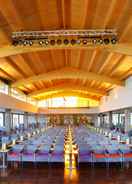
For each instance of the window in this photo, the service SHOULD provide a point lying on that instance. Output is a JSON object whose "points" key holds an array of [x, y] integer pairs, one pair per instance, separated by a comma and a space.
{"points": [[115, 119], [18, 120], [70, 101], [131, 119], [15, 120], [18, 95], [31, 101], [1, 119], [21, 119], [106, 119], [3, 88]]}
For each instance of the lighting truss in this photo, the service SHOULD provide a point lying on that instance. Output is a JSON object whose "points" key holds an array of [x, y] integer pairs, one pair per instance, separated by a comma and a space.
{"points": [[65, 37]]}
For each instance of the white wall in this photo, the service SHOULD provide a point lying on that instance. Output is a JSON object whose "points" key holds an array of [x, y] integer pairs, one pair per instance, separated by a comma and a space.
{"points": [[9, 102], [120, 97], [69, 110]]}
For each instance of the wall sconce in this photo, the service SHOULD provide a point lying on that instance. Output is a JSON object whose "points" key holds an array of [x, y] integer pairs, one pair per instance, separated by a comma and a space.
{"points": [[21, 138], [3, 146], [13, 142]]}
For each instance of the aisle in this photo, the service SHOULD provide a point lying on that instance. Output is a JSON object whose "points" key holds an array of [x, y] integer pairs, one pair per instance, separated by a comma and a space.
{"points": [[58, 175]]}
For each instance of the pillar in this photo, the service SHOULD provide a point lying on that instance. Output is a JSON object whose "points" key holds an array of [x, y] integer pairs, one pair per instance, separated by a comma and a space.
{"points": [[8, 119], [25, 119], [110, 119], [37, 119], [95, 120], [127, 125], [101, 120]]}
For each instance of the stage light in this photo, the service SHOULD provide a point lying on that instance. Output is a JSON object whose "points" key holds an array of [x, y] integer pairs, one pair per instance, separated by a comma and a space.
{"points": [[113, 41], [66, 42], [59, 42], [46, 42], [78, 41], [73, 41], [106, 41], [52, 42], [41, 42], [85, 42], [25, 42], [30, 43], [100, 41], [15, 42], [94, 41]]}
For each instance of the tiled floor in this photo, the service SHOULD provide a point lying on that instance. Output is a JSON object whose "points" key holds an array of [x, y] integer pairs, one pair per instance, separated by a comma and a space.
{"points": [[58, 175]]}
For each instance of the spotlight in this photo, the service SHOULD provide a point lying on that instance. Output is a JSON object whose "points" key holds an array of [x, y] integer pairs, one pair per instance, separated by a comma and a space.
{"points": [[84, 42], [59, 42], [52, 42], [94, 41], [30, 43], [106, 41], [25, 42], [20, 42], [15, 42], [73, 41], [46, 42], [100, 41], [66, 42], [41, 42], [78, 41], [113, 40]]}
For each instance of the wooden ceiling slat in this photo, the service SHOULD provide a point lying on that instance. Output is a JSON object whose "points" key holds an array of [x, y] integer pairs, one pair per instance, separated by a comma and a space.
{"points": [[6, 75], [94, 57], [16, 67], [105, 63], [11, 15], [23, 64], [125, 19], [117, 65]]}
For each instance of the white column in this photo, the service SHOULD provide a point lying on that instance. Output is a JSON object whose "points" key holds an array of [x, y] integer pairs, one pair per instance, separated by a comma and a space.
{"points": [[127, 120], [110, 119], [8, 119], [95, 120], [26, 119]]}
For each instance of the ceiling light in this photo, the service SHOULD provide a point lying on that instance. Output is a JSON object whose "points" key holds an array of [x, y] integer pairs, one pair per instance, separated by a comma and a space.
{"points": [[52, 42], [106, 41], [78, 41], [73, 41], [113, 41], [84, 42], [59, 42], [66, 42], [41, 42]]}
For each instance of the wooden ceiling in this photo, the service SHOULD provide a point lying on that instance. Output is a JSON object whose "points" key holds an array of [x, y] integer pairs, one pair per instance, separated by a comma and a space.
{"points": [[89, 73]]}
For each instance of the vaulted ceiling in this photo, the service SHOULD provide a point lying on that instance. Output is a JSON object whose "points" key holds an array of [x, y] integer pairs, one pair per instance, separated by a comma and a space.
{"points": [[89, 72]]}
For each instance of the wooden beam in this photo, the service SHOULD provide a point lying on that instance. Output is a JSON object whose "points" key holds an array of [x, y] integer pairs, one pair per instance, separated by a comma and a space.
{"points": [[69, 86], [105, 62], [125, 49], [67, 73], [9, 50], [68, 93]]}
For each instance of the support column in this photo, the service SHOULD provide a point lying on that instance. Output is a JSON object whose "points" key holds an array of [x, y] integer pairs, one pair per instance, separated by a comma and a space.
{"points": [[37, 120], [110, 119], [95, 120], [101, 120], [8, 119], [25, 119], [127, 120]]}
